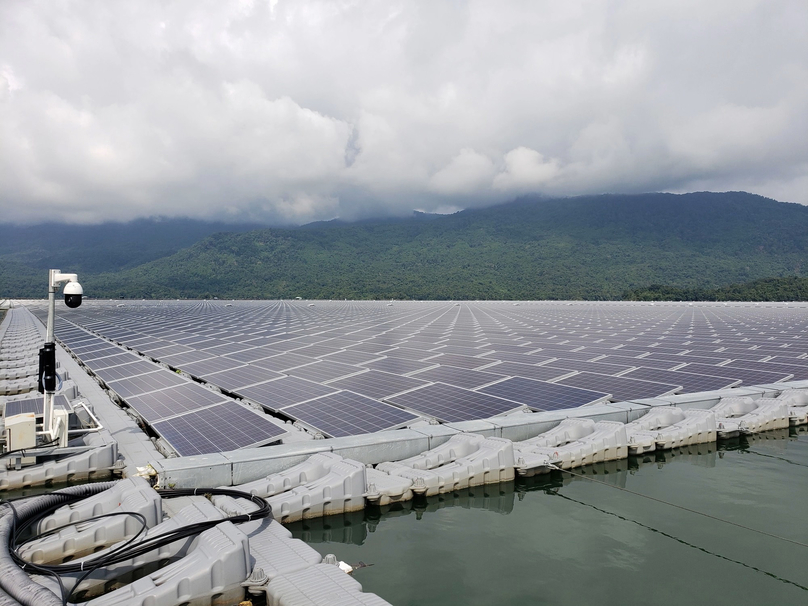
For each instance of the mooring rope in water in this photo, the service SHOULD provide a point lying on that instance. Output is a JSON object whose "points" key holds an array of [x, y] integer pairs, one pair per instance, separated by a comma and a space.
{"points": [[682, 541], [682, 507]]}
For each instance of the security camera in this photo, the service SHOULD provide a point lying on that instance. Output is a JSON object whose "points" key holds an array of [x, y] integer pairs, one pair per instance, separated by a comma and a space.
{"points": [[73, 292]]}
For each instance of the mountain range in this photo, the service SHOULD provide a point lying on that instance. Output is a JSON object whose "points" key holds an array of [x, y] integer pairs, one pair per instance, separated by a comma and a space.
{"points": [[589, 247]]}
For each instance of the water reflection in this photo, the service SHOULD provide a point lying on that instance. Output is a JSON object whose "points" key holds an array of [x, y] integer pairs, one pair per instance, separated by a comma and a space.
{"points": [[353, 528]]}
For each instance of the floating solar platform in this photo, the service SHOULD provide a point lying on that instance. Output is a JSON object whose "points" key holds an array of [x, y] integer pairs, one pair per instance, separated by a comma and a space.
{"points": [[414, 349]]}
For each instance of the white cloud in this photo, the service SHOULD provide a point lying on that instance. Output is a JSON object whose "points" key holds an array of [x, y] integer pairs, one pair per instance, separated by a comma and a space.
{"points": [[467, 173], [526, 170], [292, 111]]}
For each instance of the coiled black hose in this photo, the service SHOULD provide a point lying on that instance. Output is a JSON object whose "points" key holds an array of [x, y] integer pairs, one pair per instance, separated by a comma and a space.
{"points": [[18, 519]]}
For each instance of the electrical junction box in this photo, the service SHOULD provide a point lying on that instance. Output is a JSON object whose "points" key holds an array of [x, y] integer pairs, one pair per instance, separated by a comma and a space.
{"points": [[21, 434], [61, 420]]}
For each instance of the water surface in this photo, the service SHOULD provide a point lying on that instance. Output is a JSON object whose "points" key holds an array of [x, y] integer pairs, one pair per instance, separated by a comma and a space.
{"points": [[565, 540]]}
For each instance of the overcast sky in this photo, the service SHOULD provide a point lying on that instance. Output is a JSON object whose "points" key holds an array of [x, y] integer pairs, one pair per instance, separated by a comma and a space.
{"points": [[292, 111]]}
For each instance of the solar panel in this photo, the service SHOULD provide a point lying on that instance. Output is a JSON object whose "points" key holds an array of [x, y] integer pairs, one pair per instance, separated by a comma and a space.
{"points": [[798, 372], [173, 401], [283, 362], [316, 351], [109, 361], [459, 361], [228, 426], [371, 347], [604, 368], [459, 377], [689, 357], [35, 405], [463, 351], [276, 394], [529, 371], [162, 352], [183, 359], [209, 366], [452, 404], [103, 352], [633, 361], [123, 371], [351, 357], [540, 395], [235, 379], [141, 384], [519, 358], [398, 366], [620, 388], [229, 348], [377, 384], [749, 377], [251, 355], [348, 414], [323, 371], [690, 382], [409, 353]]}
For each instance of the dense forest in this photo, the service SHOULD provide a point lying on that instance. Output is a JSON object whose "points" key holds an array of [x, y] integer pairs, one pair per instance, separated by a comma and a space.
{"points": [[651, 247]]}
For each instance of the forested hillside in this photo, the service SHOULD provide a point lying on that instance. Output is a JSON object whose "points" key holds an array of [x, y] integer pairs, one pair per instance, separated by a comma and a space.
{"points": [[593, 247]]}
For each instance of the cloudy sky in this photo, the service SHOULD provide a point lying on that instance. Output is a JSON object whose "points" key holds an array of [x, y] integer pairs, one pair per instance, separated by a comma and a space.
{"points": [[288, 111]]}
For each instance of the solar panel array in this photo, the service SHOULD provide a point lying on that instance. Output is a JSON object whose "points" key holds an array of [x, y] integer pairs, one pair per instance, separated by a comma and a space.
{"points": [[166, 400], [346, 368]]}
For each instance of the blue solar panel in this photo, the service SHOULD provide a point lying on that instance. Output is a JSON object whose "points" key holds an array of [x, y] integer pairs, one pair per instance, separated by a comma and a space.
{"points": [[133, 369], [276, 394], [690, 382], [377, 384], [239, 378], [459, 377], [451, 404], [35, 405], [529, 371], [620, 388], [141, 384], [348, 414], [540, 395], [219, 428], [173, 401]]}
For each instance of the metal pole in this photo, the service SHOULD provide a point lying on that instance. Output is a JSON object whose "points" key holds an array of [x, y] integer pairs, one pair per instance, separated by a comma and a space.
{"points": [[47, 405]]}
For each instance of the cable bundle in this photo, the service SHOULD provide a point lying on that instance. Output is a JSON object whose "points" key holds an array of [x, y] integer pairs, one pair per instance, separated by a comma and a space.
{"points": [[29, 514]]}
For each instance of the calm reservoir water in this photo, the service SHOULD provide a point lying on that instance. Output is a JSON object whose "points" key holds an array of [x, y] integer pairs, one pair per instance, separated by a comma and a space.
{"points": [[564, 540]]}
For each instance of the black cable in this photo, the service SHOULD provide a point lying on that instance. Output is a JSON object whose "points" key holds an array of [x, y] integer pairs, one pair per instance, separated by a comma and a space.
{"points": [[131, 549], [16, 450], [15, 522]]}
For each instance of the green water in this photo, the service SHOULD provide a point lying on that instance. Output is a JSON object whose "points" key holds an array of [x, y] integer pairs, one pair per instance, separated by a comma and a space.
{"points": [[562, 540]]}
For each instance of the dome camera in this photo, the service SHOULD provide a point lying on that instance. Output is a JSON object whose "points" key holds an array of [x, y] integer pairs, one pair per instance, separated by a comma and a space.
{"points": [[73, 292]]}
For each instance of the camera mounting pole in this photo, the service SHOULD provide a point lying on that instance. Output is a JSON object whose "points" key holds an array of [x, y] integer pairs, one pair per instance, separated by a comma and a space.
{"points": [[47, 366]]}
